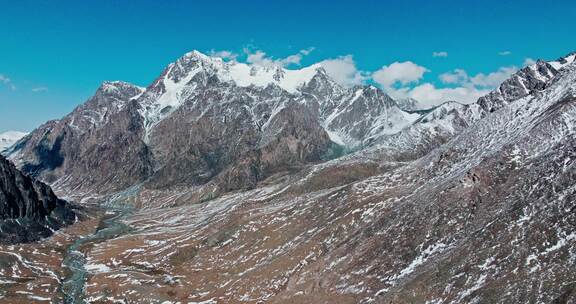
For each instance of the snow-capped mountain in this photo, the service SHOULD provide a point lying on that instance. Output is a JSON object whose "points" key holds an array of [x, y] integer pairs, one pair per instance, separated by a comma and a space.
{"points": [[438, 125], [7, 139], [237, 122], [185, 78]]}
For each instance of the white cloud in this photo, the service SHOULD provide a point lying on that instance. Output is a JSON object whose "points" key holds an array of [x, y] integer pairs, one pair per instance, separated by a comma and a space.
{"points": [[529, 61], [429, 95], [399, 72], [467, 89], [504, 53], [39, 89], [459, 76], [493, 79], [399, 79], [343, 70], [226, 55], [259, 57], [307, 51], [7, 82]]}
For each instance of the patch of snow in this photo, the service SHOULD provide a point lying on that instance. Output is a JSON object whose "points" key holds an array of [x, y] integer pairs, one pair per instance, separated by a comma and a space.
{"points": [[169, 101], [245, 75], [420, 259], [97, 268], [477, 285], [37, 298], [210, 301], [335, 137]]}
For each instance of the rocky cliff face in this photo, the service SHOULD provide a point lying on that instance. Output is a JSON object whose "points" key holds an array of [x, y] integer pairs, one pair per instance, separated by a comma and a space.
{"points": [[29, 209]]}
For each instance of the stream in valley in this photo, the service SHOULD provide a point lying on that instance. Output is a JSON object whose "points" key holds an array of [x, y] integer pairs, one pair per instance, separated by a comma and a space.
{"points": [[111, 226]]}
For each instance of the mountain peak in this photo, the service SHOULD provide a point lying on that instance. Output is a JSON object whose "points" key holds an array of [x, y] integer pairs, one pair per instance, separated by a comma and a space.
{"points": [[197, 54], [110, 86], [119, 89]]}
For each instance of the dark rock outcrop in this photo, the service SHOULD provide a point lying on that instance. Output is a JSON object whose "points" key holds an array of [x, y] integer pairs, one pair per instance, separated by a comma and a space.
{"points": [[29, 210]]}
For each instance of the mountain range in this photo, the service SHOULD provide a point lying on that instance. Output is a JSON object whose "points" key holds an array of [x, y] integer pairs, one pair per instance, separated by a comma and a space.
{"points": [[261, 184]]}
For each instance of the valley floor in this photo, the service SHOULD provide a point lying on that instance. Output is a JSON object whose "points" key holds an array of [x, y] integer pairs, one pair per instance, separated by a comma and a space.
{"points": [[387, 233]]}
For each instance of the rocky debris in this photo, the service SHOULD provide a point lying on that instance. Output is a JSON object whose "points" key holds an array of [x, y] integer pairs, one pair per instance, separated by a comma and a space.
{"points": [[29, 210]]}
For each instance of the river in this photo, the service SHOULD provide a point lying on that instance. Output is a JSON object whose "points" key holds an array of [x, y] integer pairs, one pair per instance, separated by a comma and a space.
{"points": [[111, 226]]}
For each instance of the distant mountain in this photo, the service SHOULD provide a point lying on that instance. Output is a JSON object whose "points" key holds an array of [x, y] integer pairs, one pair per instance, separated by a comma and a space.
{"points": [[7, 139], [29, 209]]}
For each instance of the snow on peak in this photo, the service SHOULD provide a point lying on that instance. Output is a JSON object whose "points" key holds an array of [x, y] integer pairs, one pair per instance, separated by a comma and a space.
{"points": [[261, 76], [198, 54], [118, 84], [244, 74], [7, 139], [120, 88]]}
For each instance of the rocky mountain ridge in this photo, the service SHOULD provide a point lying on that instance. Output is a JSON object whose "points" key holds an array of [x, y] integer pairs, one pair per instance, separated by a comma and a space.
{"points": [[240, 201]]}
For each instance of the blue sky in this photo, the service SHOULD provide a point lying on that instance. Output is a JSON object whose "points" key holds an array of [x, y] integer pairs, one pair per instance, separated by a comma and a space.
{"points": [[54, 54]]}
